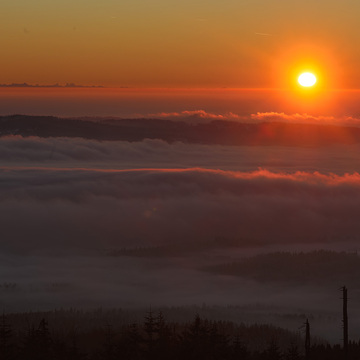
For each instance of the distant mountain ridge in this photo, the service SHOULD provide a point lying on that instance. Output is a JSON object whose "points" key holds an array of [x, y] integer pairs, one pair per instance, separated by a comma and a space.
{"points": [[67, 85], [219, 132]]}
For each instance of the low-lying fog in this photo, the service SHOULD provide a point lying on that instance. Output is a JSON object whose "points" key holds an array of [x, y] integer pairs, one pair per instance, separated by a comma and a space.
{"points": [[67, 205]]}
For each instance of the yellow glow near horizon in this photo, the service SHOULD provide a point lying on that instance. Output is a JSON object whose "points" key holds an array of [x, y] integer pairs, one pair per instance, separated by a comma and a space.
{"points": [[307, 79]]}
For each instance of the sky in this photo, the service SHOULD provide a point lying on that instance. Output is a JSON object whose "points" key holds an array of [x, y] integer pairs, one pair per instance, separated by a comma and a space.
{"points": [[170, 43]]}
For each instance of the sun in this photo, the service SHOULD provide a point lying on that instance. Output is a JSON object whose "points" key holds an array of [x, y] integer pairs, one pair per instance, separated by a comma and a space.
{"points": [[307, 79]]}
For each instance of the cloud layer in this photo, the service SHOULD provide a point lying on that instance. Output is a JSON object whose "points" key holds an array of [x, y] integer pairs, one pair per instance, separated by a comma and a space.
{"points": [[96, 209], [61, 193], [200, 116], [76, 152]]}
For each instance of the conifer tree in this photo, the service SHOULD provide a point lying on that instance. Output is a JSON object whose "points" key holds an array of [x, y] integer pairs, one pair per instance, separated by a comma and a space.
{"points": [[130, 345], [38, 343], [109, 349], [239, 350], [150, 328], [164, 341], [195, 339], [6, 346], [292, 353], [272, 352]]}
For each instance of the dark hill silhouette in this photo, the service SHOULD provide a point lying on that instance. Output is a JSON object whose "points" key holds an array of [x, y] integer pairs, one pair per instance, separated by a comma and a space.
{"points": [[216, 132], [314, 268], [184, 248]]}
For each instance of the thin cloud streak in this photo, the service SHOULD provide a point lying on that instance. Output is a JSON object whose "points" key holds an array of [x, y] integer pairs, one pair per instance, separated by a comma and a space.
{"points": [[298, 176]]}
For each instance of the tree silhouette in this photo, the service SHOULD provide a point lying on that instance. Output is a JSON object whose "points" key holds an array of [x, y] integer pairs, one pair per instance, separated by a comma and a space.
{"points": [[150, 328], [165, 341], [218, 343], [239, 350], [6, 345], [109, 350], [272, 352], [130, 345], [194, 339], [292, 352]]}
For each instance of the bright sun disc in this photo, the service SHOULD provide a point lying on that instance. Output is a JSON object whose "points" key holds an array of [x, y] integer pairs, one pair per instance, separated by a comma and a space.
{"points": [[307, 79]]}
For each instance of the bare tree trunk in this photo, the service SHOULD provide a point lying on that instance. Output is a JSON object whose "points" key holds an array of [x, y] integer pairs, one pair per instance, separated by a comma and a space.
{"points": [[345, 322], [307, 340]]}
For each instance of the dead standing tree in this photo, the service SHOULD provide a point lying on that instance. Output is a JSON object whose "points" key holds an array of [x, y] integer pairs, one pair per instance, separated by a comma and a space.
{"points": [[307, 340], [345, 322]]}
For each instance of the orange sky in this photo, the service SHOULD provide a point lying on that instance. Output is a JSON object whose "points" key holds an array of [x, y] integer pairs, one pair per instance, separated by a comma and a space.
{"points": [[136, 102], [168, 43]]}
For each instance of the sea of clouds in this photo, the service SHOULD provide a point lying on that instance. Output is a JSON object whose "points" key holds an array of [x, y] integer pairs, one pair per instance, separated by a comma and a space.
{"points": [[65, 202]]}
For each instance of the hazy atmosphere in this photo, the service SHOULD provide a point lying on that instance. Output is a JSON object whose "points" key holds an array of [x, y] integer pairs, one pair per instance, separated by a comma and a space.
{"points": [[201, 159]]}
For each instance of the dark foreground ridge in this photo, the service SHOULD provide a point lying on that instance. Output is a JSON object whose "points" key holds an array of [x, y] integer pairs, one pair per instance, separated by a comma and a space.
{"points": [[218, 132]]}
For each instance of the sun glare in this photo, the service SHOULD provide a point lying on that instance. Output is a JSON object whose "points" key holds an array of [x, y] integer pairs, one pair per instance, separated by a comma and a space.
{"points": [[307, 79]]}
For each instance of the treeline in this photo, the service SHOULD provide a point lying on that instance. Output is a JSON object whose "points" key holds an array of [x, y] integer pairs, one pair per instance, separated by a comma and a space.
{"points": [[155, 338], [316, 267]]}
